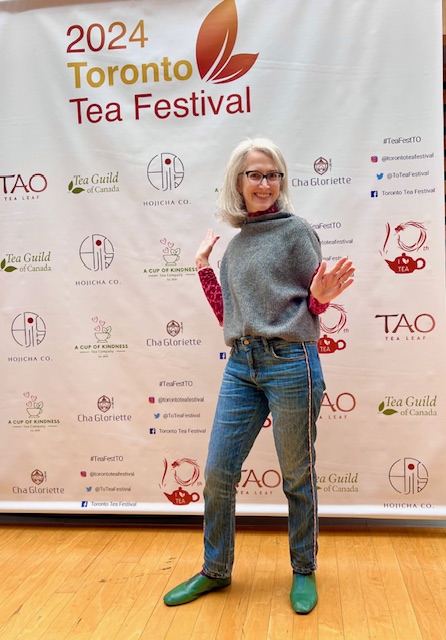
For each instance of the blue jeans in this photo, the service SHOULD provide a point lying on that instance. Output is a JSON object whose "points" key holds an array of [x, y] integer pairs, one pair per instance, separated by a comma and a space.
{"points": [[264, 376]]}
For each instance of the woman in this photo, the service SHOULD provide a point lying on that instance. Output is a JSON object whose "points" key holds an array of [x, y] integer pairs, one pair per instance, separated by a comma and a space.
{"points": [[273, 286]]}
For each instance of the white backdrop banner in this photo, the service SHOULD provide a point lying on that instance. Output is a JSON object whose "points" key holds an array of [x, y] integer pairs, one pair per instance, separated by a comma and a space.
{"points": [[117, 119]]}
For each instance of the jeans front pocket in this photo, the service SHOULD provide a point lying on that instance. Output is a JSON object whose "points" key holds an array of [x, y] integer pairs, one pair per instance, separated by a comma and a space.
{"points": [[284, 351]]}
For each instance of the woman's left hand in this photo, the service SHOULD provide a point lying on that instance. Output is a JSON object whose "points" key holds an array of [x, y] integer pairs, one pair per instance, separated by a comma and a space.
{"points": [[327, 285]]}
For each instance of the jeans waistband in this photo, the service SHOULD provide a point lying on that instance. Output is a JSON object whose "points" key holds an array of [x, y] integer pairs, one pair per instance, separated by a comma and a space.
{"points": [[251, 341]]}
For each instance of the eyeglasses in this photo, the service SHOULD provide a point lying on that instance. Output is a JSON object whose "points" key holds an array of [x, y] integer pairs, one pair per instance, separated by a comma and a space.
{"points": [[256, 177]]}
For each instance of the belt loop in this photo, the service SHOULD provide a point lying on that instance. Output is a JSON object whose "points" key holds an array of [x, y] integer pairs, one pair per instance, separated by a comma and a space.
{"points": [[235, 346], [266, 344]]}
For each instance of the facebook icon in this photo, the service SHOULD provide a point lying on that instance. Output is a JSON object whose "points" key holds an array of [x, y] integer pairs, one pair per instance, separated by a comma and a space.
{"points": [[373, 194]]}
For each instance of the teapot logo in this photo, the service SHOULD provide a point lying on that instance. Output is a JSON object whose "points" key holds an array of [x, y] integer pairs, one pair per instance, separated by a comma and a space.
{"points": [[406, 264], [326, 344], [410, 237], [185, 473]]}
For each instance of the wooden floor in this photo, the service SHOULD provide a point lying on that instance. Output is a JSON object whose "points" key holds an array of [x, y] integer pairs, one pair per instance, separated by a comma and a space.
{"points": [[64, 582]]}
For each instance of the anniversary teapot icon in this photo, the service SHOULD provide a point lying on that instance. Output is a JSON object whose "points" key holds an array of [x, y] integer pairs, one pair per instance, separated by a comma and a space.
{"points": [[406, 264], [181, 497], [328, 345]]}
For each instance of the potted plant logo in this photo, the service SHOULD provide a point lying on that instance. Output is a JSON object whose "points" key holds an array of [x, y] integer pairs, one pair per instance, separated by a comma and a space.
{"points": [[170, 255], [102, 332], [33, 408]]}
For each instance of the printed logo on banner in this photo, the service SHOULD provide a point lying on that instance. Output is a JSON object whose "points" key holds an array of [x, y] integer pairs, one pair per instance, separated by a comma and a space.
{"points": [[215, 45], [337, 315], [6, 267], [408, 476], [26, 262], [173, 328], [216, 64], [398, 327], [95, 183], [102, 334], [165, 172], [33, 421], [259, 482], [339, 483], [410, 237], [22, 187], [170, 269], [38, 476], [181, 473], [321, 166], [104, 404], [337, 407], [409, 406], [96, 252], [37, 488], [33, 408], [28, 329]]}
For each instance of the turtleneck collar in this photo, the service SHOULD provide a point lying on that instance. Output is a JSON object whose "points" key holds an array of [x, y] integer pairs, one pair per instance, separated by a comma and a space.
{"points": [[272, 209]]}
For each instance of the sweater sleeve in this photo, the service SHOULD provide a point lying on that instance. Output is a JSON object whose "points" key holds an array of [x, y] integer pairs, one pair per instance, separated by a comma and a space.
{"points": [[212, 291]]}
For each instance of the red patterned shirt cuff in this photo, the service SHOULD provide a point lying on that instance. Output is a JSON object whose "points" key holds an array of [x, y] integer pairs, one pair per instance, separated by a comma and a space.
{"points": [[212, 291]]}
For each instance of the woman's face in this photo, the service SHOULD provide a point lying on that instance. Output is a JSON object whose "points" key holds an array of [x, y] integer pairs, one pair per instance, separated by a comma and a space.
{"points": [[258, 197]]}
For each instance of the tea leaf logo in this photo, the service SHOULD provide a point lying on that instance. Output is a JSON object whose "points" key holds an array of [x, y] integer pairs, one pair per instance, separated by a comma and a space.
{"points": [[386, 412], [76, 189], [215, 43], [7, 269]]}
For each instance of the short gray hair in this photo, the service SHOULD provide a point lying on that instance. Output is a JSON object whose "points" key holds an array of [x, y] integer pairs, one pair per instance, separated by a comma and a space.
{"points": [[231, 203]]}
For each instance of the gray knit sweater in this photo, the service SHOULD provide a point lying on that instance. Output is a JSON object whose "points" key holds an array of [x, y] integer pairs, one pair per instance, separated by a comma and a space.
{"points": [[265, 277]]}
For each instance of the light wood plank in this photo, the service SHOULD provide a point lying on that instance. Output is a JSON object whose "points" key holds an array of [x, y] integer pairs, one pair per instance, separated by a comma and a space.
{"points": [[354, 615], [66, 583]]}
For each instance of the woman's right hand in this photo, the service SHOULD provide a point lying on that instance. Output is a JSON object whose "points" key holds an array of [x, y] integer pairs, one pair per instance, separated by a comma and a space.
{"points": [[205, 249]]}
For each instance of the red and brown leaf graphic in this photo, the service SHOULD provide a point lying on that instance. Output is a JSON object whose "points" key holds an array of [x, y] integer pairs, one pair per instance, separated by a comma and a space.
{"points": [[215, 43]]}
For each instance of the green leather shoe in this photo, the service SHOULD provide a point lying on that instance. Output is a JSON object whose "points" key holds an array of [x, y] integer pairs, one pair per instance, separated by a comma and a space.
{"points": [[194, 588], [303, 594]]}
